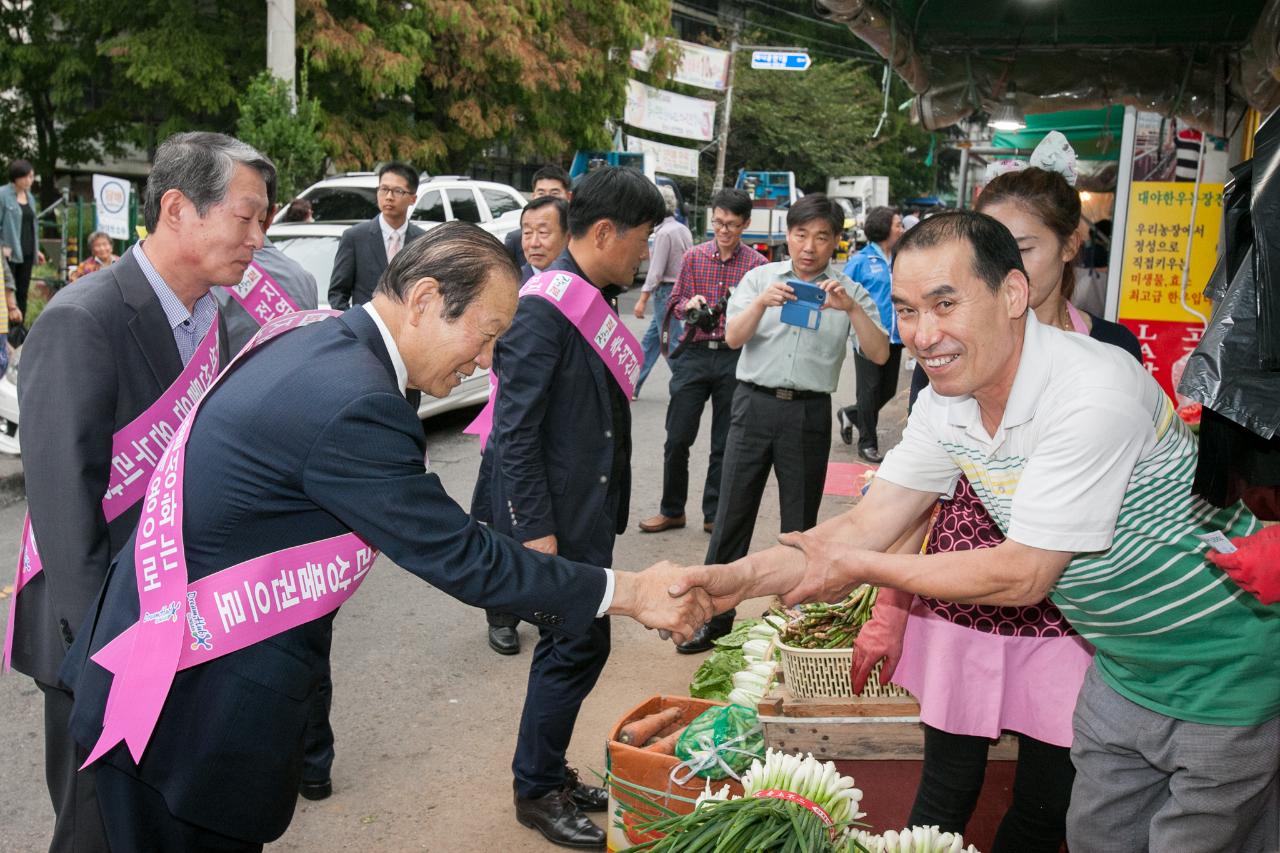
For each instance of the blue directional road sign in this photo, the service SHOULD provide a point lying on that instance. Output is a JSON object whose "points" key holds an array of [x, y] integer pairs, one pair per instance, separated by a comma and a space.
{"points": [[778, 60]]}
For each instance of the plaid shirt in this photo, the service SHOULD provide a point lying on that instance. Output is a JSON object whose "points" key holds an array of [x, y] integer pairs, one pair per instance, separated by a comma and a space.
{"points": [[702, 273]]}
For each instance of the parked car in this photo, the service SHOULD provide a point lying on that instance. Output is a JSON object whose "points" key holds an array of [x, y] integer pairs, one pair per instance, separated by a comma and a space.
{"points": [[313, 245], [352, 197], [9, 405]]}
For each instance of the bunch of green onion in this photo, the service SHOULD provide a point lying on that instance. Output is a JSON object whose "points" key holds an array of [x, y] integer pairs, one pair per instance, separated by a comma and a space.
{"points": [[765, 824]]}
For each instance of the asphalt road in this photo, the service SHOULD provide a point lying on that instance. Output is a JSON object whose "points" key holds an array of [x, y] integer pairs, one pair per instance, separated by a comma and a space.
{"points": [[424, 713]]}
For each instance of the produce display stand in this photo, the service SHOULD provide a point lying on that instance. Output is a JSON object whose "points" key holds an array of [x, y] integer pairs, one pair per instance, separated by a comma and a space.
{"points": [[880, 743]]}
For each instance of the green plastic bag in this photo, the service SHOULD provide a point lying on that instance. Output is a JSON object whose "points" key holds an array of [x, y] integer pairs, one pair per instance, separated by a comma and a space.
{"points": [[720, 742]]}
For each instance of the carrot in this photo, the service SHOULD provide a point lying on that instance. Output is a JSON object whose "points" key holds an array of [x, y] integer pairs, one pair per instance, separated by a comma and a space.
{"points": [[667, 746], [674, 727], [639, 731]]}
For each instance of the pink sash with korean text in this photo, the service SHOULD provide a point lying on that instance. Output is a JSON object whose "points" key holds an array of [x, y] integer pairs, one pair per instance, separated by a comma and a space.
{"points": [[218, 614], [261, 295], [585, 307], [135, 451]]}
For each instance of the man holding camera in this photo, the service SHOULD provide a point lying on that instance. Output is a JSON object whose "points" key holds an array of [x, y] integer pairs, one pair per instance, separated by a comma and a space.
{"points": [[707, 365], [780, 418]]}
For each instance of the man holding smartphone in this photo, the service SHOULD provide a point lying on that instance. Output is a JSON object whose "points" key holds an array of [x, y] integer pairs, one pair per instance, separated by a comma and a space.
{"points": [[781, 415]]}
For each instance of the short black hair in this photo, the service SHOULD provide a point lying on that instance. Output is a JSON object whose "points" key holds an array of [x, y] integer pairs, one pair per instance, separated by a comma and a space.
{"points": [[816, 206], [552, 172], [995, 251], [403, 170], [459, 255], [736, 202], [20, 169], [620, 194], [879, 224], [561, 206]]}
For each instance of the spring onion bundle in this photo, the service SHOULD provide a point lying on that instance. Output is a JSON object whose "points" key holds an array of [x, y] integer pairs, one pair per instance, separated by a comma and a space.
{"points": [[789, 805]]}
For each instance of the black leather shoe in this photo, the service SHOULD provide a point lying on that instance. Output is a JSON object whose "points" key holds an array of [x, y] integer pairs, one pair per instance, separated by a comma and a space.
{"points": [[316, 790], [559, 820], [846, 417], [703, 639], [871, 454], [504, 640], [589, 798]]}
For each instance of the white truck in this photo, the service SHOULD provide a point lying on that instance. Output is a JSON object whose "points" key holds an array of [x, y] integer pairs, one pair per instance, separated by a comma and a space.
{"points": [[857, 194]]}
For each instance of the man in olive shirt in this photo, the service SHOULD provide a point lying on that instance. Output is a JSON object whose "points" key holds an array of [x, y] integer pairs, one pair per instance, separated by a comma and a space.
{"points": [[781, 416]]}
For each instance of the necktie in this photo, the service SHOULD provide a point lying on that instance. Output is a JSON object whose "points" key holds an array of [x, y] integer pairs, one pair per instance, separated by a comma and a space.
{"points": [[393, 245]]}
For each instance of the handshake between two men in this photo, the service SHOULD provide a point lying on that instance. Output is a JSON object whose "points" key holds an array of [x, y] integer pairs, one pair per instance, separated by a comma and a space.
{"points": [[677, 600]]}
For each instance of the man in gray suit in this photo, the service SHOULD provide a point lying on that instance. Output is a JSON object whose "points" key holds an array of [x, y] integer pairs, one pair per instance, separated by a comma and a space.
{"points": [[365, 249], [99, 356]]}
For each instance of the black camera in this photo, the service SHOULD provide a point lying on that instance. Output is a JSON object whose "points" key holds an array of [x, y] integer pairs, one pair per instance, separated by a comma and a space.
{"points": [[705, 317]]}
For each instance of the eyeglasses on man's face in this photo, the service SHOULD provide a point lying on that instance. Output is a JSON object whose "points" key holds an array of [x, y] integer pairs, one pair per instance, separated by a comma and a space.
{"points": [[727, 225], [394, 192]]}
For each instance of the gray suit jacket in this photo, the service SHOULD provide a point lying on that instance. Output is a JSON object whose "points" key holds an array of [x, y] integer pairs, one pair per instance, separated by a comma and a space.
{"points": [[361, 258], [299, 284], [96, 358]]}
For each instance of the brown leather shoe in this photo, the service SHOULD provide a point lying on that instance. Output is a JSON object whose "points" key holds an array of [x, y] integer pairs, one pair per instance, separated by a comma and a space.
{"points": [[660, 522], [709, 526]]}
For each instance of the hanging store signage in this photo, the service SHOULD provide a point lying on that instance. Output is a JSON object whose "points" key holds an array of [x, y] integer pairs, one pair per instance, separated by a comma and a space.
{"points": [[701, 66], [666, 112], [667, 159]]}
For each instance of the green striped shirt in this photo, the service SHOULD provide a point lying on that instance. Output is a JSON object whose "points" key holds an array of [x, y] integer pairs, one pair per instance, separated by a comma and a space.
{"points": [[1091, 458]]}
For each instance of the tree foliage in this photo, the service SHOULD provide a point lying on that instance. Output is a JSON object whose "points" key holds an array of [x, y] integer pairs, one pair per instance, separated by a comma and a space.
{"points": [[86, 78], [437, 82], [290, 136], [820, 123]]}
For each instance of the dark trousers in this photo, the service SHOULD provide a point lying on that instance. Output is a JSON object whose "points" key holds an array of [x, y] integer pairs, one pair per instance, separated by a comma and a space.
{"points": [[876, 385], [563, 672], [22, 282], [697, 374], [790, 437], [317, 743], [139, 821], [954, 767], [77, 820]]}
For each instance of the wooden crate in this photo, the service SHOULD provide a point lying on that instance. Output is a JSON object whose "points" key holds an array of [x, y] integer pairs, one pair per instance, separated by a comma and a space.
{"points": [[880, 743], [882, 729]]}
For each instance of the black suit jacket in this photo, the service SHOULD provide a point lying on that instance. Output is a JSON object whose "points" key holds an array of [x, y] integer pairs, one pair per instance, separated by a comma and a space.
{"points": [[307, 439], [97, 357], [360, 261], [514, 247], [548, 464]]}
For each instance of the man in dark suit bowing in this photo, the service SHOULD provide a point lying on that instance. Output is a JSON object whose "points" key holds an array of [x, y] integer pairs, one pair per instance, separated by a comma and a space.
{"points": [[309, 439], [100, 355], [365, 249], [556, 475]]}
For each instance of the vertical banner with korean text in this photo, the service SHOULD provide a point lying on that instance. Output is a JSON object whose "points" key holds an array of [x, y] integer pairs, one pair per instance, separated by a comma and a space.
{"points": [[1156, 233]]}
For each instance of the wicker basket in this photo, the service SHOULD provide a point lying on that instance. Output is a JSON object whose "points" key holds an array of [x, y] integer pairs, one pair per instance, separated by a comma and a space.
{"points": [[814, 673]]}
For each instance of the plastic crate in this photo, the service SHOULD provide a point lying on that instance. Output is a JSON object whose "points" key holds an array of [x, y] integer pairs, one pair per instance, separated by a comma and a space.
{"points": [[814, 673]]}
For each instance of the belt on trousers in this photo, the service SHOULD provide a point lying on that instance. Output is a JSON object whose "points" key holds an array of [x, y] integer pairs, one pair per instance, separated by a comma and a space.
{"points": [[785, 393], [710, 344]]}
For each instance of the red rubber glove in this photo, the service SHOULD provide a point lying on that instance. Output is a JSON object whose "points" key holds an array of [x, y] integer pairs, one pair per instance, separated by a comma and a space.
{"points": [[880, 638], [1255, 565]]}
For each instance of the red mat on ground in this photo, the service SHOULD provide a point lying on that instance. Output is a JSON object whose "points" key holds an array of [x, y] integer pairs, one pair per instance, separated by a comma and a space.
{"points": [[845, 478]]}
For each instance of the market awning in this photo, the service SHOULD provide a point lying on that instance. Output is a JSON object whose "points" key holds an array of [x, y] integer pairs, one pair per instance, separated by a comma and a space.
{"points": [[1094, 134], [1201, 61]]}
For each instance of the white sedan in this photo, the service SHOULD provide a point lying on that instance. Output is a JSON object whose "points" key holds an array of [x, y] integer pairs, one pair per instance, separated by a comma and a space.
{"points": [[313, 245]]}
